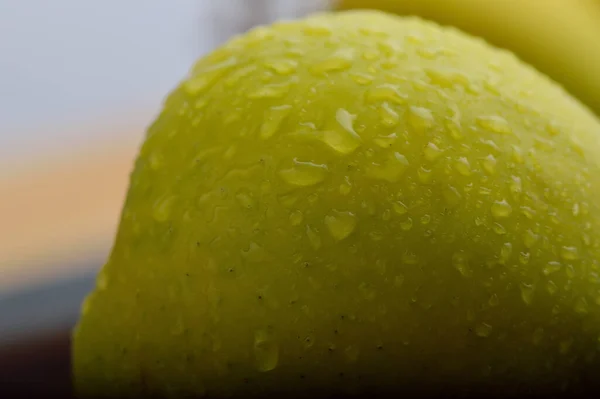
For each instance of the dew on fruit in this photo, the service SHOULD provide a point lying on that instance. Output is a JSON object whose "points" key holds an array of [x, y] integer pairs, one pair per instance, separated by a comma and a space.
{"points": [[410, 258], [483, 330], [362, 79], [340, 224], [551, 287], [448, 78], [581, 306], [517, 155], [388, 117], [432, 152], [391, 170], [460, 261], [400, 208], [273, 120], [530, 238], [346, 120], [451, 196], [544, 144], [455, 129], [156, 161], [282, 67], [575, 209], [587, 240], [344, 140], [376, 235], [385, 141], [232, 116], [414, 38], [494, 123], [287, 201], [501, 209], [505, 252], [553, 128], [346, 186], [230, 153], [407, 224], [386, 93], [255, 253], [570, 271], [370, 55], [492, 84], [161, 211], [272, 91], [425, 219], [493, 301], [527, 291], [491, 145], [201, 82], [266, 351], [576, 146], [569, 253], [528, 212], [489, 164], [386, 215], [308, 342], [425, 175], [340, 60], [304, 174], [313, 237], [390, 48], [524, 257], [463, 166], [484, 190], [316, 29], [498, 229], [429, 53], [420, 118], [296, 218], [551, 267], [237, 75]]}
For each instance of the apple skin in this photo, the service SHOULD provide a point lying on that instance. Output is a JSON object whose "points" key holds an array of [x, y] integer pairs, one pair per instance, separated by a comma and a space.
{"points": [[558, 37], [354, 203]]}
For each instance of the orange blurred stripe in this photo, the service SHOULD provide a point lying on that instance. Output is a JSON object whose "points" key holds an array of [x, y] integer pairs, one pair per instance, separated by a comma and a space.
{"points": [[57, 214]]}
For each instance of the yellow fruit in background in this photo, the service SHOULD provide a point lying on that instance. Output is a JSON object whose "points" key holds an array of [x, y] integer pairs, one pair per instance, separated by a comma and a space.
{"points": [[561, 38], [354, 202]]}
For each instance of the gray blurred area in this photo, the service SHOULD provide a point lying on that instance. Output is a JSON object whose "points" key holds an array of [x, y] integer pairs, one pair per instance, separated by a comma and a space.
{"points": [[53, 48]]}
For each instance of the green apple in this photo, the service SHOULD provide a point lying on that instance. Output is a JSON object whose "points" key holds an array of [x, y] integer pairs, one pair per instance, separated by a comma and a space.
{"points": [[354, 203], [559, 37]]}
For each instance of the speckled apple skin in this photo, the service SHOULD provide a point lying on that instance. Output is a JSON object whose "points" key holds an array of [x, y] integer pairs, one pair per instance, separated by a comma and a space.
{"points": [[353, 202]]}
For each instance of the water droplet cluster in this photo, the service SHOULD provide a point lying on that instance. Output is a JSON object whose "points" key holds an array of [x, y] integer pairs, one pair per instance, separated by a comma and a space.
{"points": [[349, 196]]}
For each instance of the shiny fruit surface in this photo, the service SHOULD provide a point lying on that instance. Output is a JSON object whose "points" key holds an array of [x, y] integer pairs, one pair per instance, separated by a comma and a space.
{"points": [[561, 38], [354, 203]]}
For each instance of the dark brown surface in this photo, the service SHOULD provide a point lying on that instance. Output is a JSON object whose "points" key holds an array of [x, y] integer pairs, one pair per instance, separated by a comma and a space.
{"points": [[37, 366]]}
